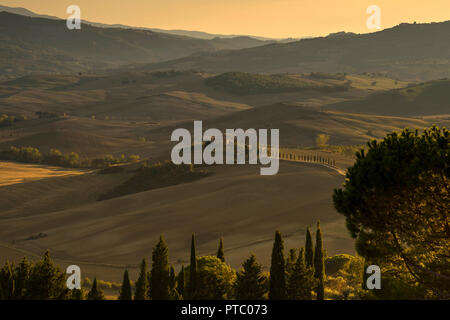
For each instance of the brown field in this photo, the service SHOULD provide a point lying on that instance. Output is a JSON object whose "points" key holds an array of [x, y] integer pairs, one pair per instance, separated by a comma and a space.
{"points": [[13, 173], [134, 113], [236, 203]]}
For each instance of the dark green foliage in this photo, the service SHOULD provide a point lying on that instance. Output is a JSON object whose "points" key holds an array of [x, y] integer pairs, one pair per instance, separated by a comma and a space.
{"points": [[23, 154], [396, 203], [142, 286], [291, 260], [338, 262], [9, 120], [403, 102], [220, 253], [41, 281], [68, 160], [319, 259], [160, 273], [96, 293], [319, 263], [309, 250], [155, 176], [300, 280], [214, 279], [78, 294], [46, 281], [250, 282], [241, 83], [181, 282], [322, 75], [7, 282], [173, 284], [22, 276], [320, 289], [277, 289], [125, 291], [192, 284]]}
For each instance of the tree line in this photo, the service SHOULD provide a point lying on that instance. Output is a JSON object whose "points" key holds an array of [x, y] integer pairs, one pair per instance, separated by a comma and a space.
{"points": [[299, 275], [55, 157]]}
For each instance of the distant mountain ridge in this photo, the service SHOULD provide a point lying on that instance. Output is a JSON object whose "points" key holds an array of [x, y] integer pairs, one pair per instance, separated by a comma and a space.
{"points": [[43, 45], [188, 33], [413, 52]]}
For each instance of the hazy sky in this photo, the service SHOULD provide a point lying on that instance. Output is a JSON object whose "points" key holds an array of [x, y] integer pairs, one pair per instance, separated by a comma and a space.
{"points": [[271, 18]]}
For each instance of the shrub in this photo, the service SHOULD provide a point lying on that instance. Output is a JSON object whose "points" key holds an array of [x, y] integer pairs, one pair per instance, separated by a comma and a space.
{"points": [[215, 279]]}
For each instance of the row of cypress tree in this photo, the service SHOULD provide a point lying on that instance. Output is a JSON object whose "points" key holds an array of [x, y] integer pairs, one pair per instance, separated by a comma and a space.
{"points": [[299, 275], [296, 277]]}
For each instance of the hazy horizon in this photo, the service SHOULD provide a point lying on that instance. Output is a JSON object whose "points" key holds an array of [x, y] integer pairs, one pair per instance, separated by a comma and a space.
{"points": [[265, 18]]}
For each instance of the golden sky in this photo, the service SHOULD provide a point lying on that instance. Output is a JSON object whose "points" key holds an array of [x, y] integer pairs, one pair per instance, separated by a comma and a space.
{"points": [[270, 18]]}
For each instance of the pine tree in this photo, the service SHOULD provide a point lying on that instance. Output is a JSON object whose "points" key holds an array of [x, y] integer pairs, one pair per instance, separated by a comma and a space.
{"points": [[192, 284], [319, 263], [277, 289], [125, 290], [309, 251], [96, 293], [159, 276], [142, 288], [300, 281], [250, 282], [46, 281], [220, 253]]}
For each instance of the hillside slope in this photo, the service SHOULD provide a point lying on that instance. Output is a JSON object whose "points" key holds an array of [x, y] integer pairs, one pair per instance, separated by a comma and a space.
{"points": [[427, 98], [407, 51], [299, 126], [236, 203], [46, 45]]}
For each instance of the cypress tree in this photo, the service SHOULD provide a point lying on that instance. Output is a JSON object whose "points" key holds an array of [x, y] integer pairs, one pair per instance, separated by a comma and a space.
{"points": [[250, 282], [192, 285], [7, 281], [309, 251], [142, 288], [220, 253], [320, 290], [96, 293], [172, 284], [181, 282], [319, 263], [159, 276], [291, 260], [22, 275], [277, 289], [125, 291], [300, 280]]}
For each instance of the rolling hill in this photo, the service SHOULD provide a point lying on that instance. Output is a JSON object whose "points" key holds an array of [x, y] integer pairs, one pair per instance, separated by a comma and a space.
{"points": [[413, 52], [188, 33], [235, 202], [31, 45], [299, 126], [429, 98]]}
